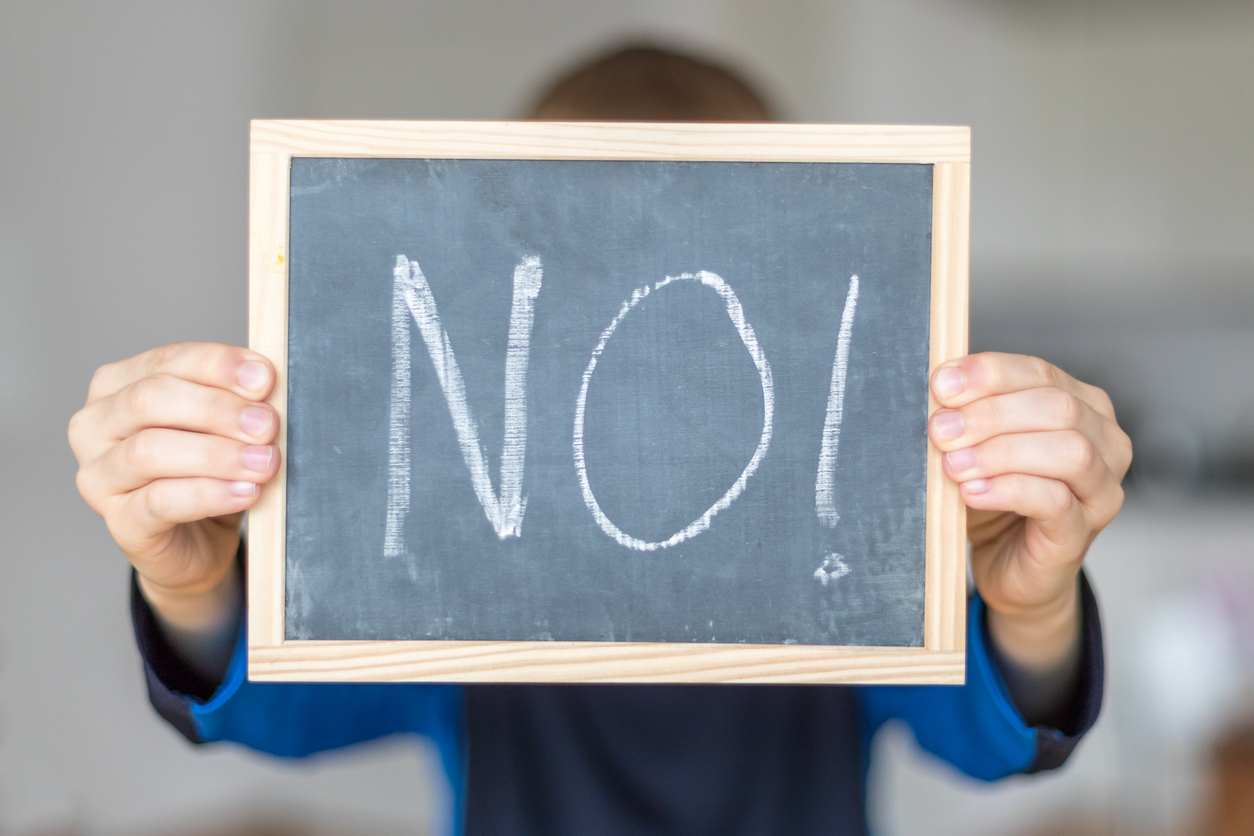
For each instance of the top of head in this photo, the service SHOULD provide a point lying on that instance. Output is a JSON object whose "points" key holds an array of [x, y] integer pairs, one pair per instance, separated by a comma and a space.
{"points": [[649, 84]]}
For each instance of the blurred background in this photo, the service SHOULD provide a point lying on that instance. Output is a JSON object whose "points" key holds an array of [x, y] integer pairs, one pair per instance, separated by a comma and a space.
{"points": [[1112, 233]]}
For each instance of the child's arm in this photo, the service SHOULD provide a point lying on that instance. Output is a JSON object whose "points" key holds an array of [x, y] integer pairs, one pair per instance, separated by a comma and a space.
{"points": [[172, 446], [1040, 459]]}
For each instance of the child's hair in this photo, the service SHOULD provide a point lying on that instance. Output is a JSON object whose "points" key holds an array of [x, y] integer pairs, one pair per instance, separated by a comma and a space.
{"points": [[650, 84]]}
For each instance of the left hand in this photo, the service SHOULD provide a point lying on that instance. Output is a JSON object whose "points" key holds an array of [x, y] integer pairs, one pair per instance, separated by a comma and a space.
{"points": [[1039, 459]]}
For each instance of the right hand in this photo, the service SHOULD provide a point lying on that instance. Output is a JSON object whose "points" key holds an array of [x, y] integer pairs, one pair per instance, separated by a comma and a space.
{"points": [[173, 446]]}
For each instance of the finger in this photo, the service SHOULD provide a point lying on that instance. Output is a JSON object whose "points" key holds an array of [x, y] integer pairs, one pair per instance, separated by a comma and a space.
{"points": [[1066, 456], [246, 373], [164, 454], [1055, 531], [169, 502], [1049, 502], [1032, 410], [967, 379], [166, 401]]}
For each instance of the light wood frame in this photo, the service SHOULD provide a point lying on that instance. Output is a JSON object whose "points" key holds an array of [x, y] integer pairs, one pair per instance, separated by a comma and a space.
{"points": [[273, 658]]}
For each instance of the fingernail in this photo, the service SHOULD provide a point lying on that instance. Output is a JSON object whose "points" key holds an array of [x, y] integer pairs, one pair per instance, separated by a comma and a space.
{"points": [[243, 489], [252, 375], [256, 457], [960, 460], [948, 424], [950, 382], [976, 486], [254, 420]]}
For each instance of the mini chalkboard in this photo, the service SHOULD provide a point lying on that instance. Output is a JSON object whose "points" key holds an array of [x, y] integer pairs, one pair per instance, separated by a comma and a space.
{"points": [[607, 402]]}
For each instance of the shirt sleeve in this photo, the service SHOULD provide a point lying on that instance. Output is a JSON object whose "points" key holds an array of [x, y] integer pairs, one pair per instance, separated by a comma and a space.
{"points": [[292, 719], [976, 726]]}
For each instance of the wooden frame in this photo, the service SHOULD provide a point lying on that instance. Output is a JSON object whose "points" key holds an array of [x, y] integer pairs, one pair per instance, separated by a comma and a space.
{"points": [[272, 658]]}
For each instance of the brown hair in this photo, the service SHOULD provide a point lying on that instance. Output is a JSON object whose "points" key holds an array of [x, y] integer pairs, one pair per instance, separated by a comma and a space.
{"points": [[650, 84]]}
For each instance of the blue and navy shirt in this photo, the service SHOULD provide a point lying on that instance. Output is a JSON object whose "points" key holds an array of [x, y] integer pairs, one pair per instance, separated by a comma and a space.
{"points": [[623, 760]]}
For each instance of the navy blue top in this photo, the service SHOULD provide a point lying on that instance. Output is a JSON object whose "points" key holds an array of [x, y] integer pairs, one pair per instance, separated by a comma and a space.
{"points": [[614, 760]]}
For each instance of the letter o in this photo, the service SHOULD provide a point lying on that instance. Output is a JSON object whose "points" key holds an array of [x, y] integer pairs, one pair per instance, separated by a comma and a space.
{"points": [[736, 313]]}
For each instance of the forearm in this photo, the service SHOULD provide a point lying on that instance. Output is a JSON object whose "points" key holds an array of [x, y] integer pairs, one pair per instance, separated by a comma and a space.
{"points": [[201, 627], [1038, 652]]}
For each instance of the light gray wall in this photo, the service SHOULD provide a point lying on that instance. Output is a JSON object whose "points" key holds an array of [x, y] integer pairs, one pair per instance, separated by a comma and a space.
{"points": [[1112, 218]]}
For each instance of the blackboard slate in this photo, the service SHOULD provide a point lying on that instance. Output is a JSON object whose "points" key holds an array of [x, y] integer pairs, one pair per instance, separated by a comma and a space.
{"points": [[674, 410]]}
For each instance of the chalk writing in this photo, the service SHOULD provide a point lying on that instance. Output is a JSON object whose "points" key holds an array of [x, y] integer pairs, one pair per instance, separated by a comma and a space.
{"points": [[412, 296], [824, 493], [504, 510], [750, 340], [833, 569], [398, 421]]}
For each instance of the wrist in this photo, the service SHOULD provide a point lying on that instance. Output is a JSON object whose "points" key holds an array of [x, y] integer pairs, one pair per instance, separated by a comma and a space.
{"points": [[1042, 637], [202, 608]]}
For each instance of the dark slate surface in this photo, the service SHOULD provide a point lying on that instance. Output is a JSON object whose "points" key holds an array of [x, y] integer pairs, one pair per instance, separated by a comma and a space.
{"points": [[674, 408]]}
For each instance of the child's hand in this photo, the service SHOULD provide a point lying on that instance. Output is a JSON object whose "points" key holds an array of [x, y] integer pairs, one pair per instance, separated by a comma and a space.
{"points": [[173, 446], [1039, 459]]}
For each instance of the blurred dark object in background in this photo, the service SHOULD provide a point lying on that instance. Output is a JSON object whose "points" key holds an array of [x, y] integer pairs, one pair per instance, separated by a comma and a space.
{"points": [[1179, 380], [1229, 812], [1233, 810]]}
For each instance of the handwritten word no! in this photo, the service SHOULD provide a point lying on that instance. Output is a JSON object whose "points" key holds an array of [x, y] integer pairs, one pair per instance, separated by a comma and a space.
{"points": [[504, 509]]}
